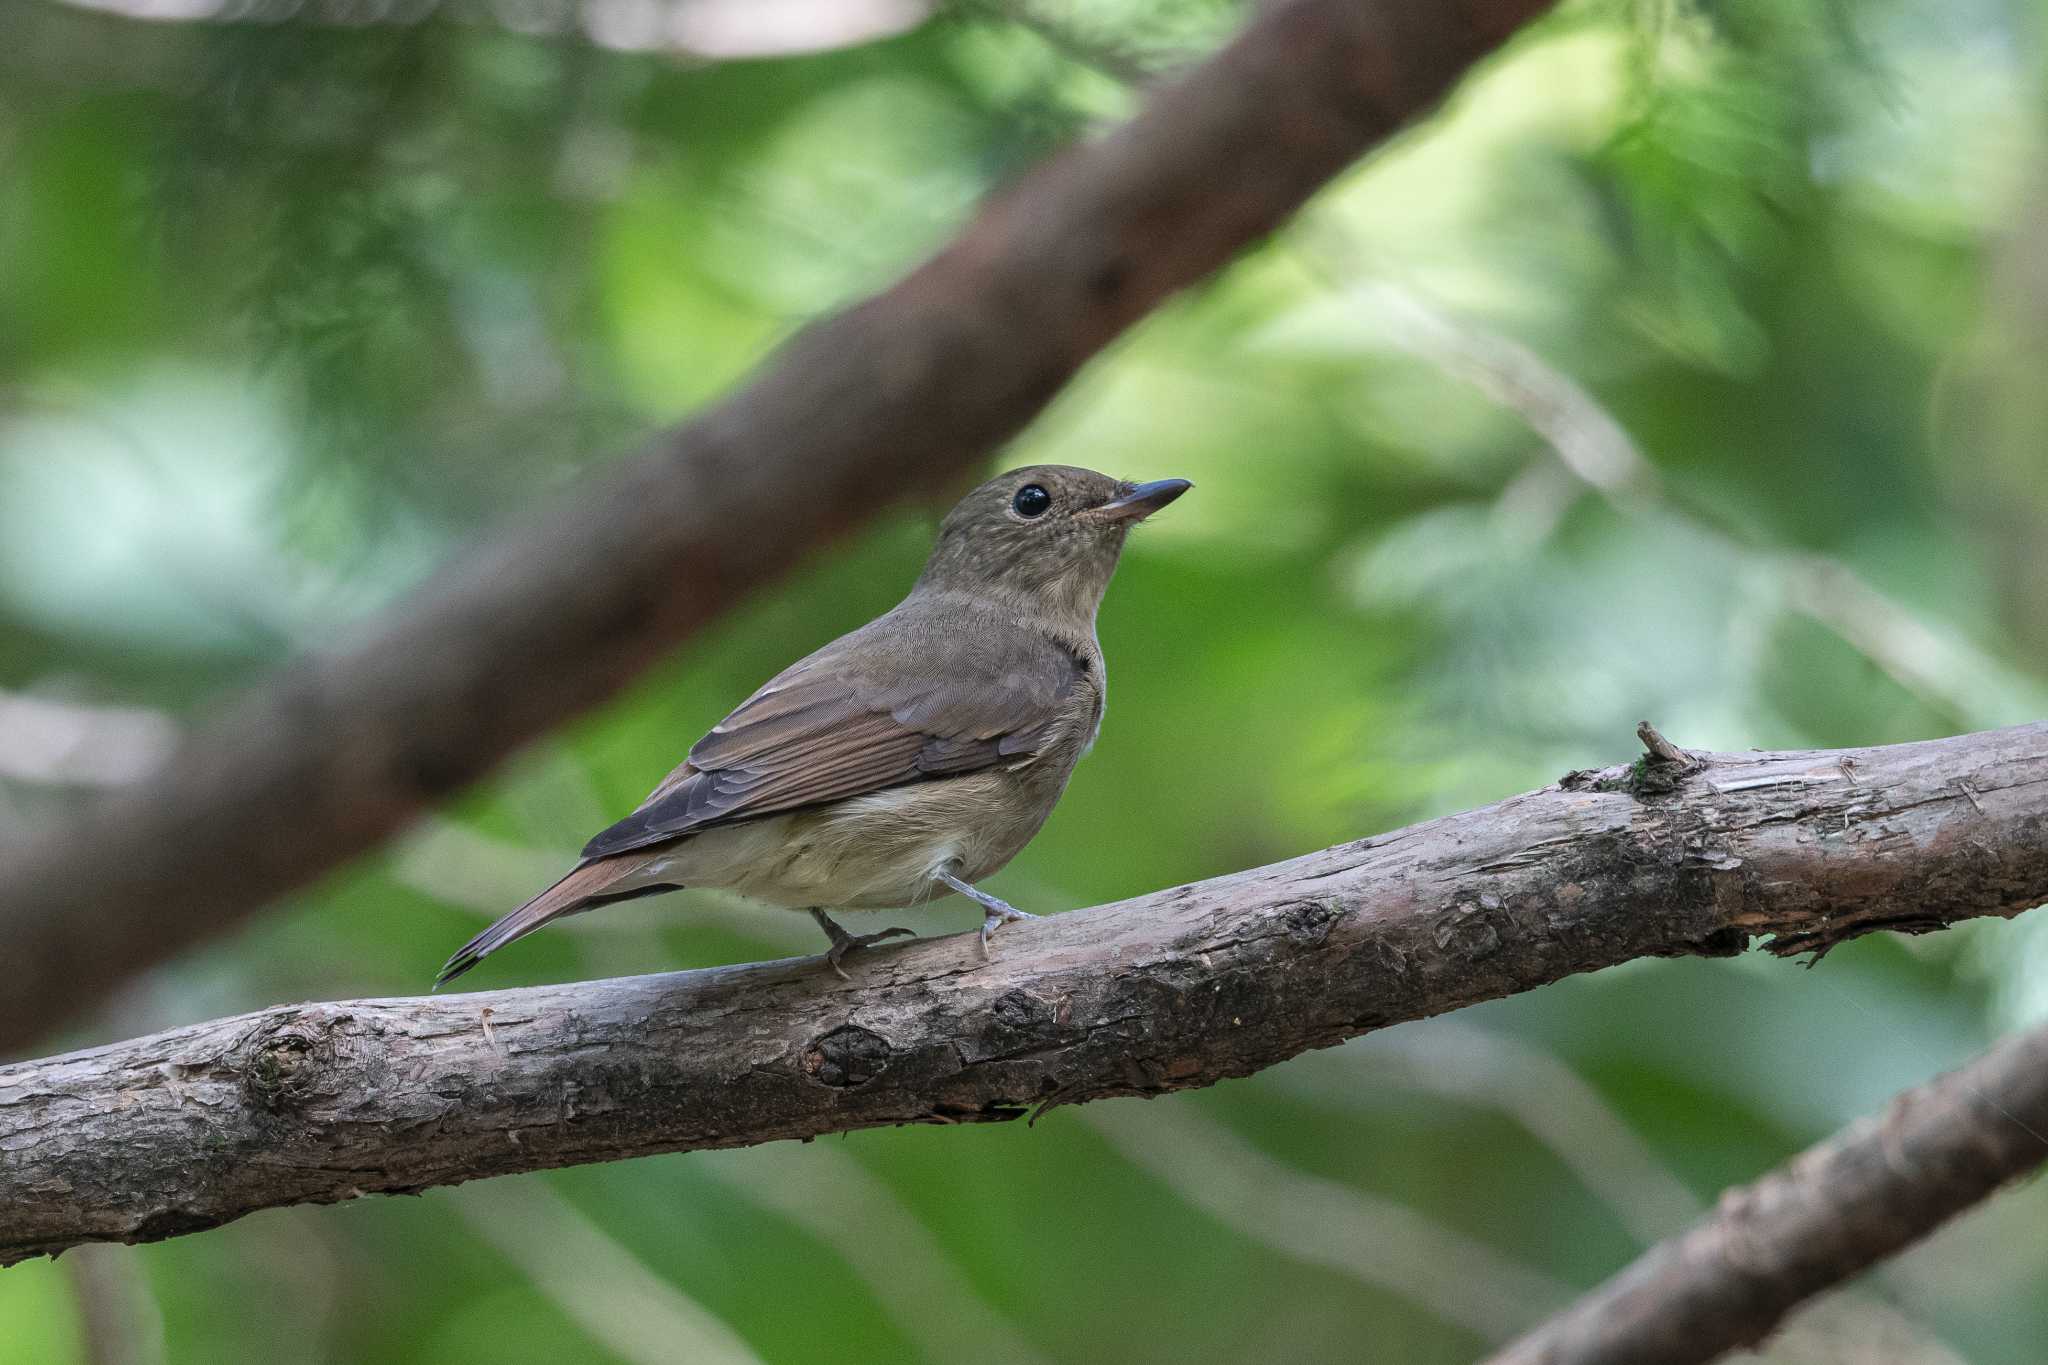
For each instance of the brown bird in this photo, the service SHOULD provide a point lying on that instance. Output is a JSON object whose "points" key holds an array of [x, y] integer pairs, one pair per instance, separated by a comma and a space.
{"points": [[909, 759]]}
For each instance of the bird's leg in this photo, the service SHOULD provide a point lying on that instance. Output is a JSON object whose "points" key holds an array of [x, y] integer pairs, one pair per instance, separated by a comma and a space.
{"points": [[844, 943], [995, 913]]}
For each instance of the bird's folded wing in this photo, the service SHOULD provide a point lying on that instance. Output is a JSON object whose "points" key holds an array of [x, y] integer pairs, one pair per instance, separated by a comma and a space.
{"points": [[868, 712]]}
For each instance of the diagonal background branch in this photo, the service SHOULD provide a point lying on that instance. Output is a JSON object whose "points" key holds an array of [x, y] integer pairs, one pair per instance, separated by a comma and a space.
{"points": [[1552, 1103], [1836, 1209], [549, 619], [1321, 1222], [190, 1128]]}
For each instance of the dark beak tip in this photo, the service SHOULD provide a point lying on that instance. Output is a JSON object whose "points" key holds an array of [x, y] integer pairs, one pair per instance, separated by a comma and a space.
{"points": [[1146, 498]]}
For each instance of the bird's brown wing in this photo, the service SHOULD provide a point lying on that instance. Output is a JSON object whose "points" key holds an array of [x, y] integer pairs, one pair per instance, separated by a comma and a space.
{"points": [[901, 700]]}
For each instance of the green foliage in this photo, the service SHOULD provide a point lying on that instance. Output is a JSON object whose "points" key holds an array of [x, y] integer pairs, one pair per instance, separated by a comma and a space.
{"points": [[41, 1323], [289, 312]]}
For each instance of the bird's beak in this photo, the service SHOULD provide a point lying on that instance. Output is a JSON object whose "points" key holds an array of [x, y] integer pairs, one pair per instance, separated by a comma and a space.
{"points": [[1141, 501]]}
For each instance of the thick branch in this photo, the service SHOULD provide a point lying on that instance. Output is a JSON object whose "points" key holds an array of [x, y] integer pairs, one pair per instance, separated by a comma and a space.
{"points": [[316, 1103], [1837, 1209], [917, 382]]}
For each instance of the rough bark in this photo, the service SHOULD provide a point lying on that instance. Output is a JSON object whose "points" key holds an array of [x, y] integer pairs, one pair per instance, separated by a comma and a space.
{"points": [[857, 411], [1835, 1210], [1672, 856]]}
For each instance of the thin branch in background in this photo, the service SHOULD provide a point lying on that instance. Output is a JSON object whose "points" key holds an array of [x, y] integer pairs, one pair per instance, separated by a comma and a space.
{"points": [[1940, 669], [457, 864], [1557, 1107], [305, 1259], [1933, 664], [1593, 447], [1378, 1242], [1833, 1211], [118, 1318], [596, 1283], [1548, 1099], [838, 1201], [550, 792]]}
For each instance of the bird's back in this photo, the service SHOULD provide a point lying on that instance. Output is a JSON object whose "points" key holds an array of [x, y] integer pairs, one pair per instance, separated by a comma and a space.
{"points": [[938, 688]]}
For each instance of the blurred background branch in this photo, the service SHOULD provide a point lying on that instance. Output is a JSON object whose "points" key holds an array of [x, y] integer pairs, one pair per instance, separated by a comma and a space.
{"points": [[615, 1299], [1478, 1067], [1595, 455], [1547, 1098], [903, 1264], [119, 1320], [1377, 1241], [1729, 1281], [854, 414]]}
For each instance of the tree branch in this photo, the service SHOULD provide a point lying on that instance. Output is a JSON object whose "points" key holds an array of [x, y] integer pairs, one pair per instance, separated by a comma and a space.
{"points": [[1835, 1210], [316, 1103], [855, 412]]}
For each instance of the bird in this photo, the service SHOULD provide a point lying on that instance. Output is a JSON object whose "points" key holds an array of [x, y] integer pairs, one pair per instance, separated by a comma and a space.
{"points": [[906, 760]]}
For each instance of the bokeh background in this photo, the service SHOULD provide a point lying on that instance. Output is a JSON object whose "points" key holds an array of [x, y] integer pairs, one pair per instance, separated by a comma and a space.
{"points": [[1688, 365]]}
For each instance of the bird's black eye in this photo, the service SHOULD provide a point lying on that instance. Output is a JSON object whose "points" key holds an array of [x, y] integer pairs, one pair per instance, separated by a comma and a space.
{"points": [[1031, 501]]}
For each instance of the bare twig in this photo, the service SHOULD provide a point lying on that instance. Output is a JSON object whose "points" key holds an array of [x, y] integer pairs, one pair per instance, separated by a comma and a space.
{"points": [[1662, 749], [1544, 1096], [1936, 665], [839, 1201], [316, 1103], [1588, 442], [1376, 1241], [118, 1319], [1836, 1209], [596, 1283], [856, 412]]}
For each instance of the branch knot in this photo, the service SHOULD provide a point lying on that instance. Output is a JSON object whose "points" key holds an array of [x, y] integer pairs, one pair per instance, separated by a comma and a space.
{"points": [[284, 1060], [847, 1056]]}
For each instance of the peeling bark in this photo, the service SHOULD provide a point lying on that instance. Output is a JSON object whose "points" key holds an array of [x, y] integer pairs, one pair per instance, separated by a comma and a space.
{"points": [[315, 1103]]}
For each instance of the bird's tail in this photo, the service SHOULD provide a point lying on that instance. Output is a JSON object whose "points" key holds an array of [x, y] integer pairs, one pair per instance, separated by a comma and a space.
{"points": [[582, 889]]}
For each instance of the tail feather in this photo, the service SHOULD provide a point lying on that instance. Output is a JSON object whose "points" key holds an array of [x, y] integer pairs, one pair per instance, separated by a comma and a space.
{"points": [[582, 889]]}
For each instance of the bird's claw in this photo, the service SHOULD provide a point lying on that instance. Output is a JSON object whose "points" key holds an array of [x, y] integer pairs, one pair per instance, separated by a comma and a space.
{"points": [[994, 917], [844, 943]]}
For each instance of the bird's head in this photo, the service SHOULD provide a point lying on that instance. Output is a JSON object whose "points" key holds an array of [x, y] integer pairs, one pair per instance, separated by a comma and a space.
{"points": [[1047, 536]]}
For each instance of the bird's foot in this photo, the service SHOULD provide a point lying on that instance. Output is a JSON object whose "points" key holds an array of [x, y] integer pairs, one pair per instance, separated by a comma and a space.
{"points": [[995, 911], [844, 943], [994, 915]]}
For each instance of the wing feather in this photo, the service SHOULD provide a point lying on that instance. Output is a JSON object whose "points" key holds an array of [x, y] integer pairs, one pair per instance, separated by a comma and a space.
{"points": [[913, 695]]}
